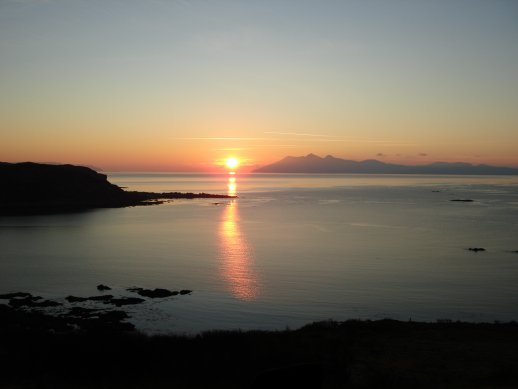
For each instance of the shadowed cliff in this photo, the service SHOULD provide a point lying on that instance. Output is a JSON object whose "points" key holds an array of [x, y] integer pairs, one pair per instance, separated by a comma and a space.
{"points": [[31, 188]]}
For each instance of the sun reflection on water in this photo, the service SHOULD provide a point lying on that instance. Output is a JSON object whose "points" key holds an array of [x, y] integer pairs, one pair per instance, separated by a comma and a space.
{"points": [[232, 186], [235, 253]]}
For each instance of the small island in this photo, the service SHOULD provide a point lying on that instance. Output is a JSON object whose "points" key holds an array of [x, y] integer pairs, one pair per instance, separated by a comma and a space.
{"points": [[34, 188]]}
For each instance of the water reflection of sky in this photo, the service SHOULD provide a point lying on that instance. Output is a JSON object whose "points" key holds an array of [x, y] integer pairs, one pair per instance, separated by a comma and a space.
{"points": [[235, 252]]}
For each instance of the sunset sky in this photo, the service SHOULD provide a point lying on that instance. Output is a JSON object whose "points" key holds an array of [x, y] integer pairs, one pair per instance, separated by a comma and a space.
{"points": [[182, 85]]}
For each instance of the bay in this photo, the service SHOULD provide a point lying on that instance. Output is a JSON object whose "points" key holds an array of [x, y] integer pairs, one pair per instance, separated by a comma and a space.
{"points": [[292, 249]]}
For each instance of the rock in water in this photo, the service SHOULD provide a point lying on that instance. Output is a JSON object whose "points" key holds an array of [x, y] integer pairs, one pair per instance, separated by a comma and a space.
{"points": [[156, 293], [119, 302], [74, 299]]}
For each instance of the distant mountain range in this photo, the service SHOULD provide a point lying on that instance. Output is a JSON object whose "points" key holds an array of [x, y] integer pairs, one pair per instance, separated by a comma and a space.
{"points": [[312, 163]]}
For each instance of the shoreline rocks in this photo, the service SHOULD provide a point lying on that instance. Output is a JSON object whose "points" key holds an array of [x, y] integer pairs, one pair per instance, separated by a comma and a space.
{"points": [[152, 293], [75, 299], [98, 318], [23, 299], [158, 292], [76, 317], [119, 302]]}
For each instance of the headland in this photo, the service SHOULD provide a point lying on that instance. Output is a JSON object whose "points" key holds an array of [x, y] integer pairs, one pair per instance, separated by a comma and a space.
{"points": [[34, 188]]}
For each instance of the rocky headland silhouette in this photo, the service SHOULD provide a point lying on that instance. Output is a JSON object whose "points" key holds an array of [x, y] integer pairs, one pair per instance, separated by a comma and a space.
{"points": [[312, 163], [34, 188]]}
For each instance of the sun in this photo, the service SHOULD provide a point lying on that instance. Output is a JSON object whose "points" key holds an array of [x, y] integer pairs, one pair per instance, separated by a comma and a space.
{"points": [[232, 163]]}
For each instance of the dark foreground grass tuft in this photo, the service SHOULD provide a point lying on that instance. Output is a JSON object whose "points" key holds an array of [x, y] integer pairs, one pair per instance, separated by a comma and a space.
{"points": [[351, 354]]}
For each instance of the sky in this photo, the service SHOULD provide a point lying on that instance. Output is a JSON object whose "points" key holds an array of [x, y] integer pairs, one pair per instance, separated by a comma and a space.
{"points": [[181, 85]]}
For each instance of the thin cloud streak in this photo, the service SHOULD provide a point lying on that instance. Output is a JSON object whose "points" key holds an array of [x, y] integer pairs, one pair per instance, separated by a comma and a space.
{"points": [[384, 142], [338, 138], [388, 142], [300, 134], [233, 149], [225, 138], [313, 138]]}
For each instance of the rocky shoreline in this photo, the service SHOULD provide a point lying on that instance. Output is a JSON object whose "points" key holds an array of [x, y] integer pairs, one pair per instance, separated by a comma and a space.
{"points": [[71, 317]]}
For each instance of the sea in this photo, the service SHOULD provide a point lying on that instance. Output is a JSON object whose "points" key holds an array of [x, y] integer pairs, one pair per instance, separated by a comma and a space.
{"points": [[290, 250]]}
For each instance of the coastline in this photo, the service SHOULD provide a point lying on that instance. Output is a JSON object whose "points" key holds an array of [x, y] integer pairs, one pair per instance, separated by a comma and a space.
{"points": [[131, 199], [34, 188]]}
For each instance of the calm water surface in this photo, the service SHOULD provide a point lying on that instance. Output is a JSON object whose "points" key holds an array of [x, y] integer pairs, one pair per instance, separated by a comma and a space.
{"points": [[292, 249]]}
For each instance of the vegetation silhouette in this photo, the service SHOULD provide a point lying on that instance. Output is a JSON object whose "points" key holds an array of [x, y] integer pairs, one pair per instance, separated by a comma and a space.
{"points": [[37, 350]]}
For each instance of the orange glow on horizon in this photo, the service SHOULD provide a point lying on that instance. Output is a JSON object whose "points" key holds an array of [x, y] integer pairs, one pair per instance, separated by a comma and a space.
{"points": [[206, 156]]}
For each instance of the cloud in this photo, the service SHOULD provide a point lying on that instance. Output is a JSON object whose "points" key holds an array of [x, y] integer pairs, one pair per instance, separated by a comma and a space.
{"points": [[422, 155], [300, 134], [225, 138], [380, 155], [233, 149]]}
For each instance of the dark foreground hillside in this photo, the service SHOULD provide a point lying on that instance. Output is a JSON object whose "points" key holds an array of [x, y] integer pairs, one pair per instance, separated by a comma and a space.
{"points": [[352, 354], [32, 188]]}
